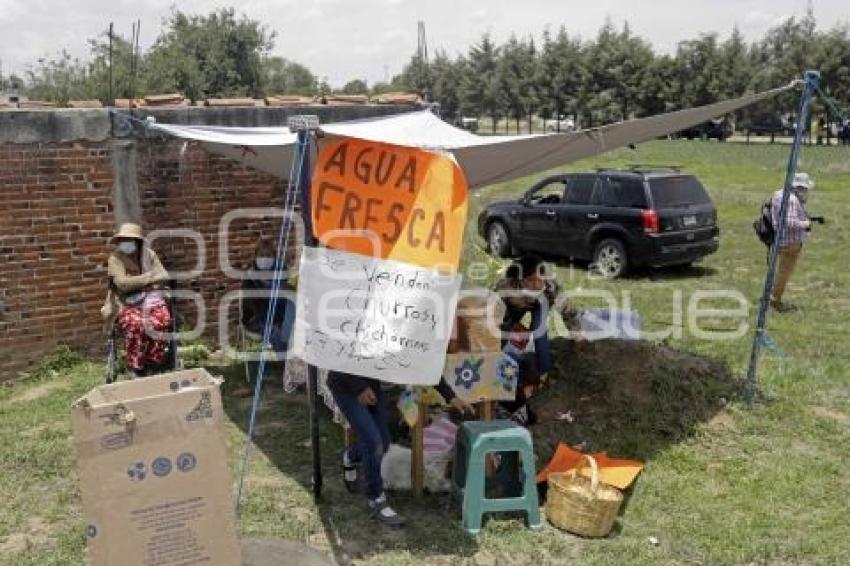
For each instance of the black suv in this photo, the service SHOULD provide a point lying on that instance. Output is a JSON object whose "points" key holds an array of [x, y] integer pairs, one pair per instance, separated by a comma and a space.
{"points": [[720, 129], [615, 218]]}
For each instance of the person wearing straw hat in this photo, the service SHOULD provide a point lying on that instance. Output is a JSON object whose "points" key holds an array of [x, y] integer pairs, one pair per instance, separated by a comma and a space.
{"points": [[135, 300], [797, 227]]}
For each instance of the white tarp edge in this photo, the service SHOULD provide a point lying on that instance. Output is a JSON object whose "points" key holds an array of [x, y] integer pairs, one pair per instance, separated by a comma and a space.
{"points": [[484, 159]]}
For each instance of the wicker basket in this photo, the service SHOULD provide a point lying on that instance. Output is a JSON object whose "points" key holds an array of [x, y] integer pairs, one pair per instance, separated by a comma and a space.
{"points": [[580, 505]]}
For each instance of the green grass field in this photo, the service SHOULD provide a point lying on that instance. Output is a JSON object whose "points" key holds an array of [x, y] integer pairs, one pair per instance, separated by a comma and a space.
{"points": [[761, 485]]}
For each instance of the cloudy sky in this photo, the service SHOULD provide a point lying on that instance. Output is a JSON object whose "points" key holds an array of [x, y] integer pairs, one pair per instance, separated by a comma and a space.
{"points": [[372, 39]]}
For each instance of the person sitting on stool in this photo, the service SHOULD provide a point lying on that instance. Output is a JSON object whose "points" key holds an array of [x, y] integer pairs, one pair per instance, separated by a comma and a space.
{"points": [[255, 309], [135, 300]]}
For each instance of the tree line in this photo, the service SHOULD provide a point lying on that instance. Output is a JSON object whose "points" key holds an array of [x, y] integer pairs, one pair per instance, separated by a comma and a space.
{"points": [[617, 75], [613, 76], [199, 56]]}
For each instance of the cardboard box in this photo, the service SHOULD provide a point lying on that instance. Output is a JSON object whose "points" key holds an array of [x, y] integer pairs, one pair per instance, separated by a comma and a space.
{"points": [[154, 475]]}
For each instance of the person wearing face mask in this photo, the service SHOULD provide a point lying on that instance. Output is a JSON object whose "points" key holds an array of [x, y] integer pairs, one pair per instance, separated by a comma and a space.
{"points": [[797, 227], [526, 290], [136, 301], [255, 308]]}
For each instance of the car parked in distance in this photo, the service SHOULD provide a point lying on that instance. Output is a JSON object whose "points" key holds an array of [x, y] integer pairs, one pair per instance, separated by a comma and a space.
{"points": [[470, 124], [719, 129], [562, 124], [615, 218]]}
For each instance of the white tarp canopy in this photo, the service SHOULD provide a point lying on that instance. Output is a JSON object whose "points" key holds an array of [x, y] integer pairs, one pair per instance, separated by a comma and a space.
{"points": [[484, 159]]}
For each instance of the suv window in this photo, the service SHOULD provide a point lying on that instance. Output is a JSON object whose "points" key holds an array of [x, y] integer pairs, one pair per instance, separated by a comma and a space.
{"points": [[550, 193], [580, 189], [672, 192], [621, 192]]}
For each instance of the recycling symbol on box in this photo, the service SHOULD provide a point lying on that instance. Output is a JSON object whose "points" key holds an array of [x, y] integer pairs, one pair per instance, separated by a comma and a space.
{"points": [[137, 472], [186, 462]]}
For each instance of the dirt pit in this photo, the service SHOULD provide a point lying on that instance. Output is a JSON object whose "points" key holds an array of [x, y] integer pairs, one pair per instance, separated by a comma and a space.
{"points": [[628, 398]]}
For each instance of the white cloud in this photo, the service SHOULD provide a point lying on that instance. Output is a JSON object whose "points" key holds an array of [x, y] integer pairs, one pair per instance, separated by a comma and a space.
{"points": [[758, 17], [10, 10]]}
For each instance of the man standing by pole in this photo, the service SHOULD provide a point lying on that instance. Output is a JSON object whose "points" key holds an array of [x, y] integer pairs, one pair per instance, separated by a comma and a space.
{"points": [[791, 239], [810, 85]]}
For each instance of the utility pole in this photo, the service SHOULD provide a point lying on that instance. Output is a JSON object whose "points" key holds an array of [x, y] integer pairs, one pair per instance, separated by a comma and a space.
{"points": [[423, 72]]}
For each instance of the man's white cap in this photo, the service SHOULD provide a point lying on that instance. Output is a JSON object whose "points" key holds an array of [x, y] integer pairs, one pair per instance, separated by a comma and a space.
{"points": [[803, 181]]}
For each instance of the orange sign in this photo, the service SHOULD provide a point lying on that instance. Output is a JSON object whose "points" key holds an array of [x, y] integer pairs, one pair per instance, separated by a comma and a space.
{"points": [[390, 202]]}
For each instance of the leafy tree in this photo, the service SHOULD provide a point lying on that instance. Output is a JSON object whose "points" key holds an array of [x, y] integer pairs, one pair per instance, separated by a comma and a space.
{"points": [[735, 65], [124, 84], [447, 76], [357, 86], [617, 64], [59, 80], [783, 54], [382, 87], [661, 91], [216, 55], [480, 85], [416, 77], [6, 82], [699, 73], [324, 88], [786, 51], [613, 77], [559, 75], [833, 60], [15, 83], [282, 76], [516, 74]]}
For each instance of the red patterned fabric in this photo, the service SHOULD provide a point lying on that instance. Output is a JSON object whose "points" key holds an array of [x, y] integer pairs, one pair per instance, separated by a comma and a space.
{"points": [[136, 323]]}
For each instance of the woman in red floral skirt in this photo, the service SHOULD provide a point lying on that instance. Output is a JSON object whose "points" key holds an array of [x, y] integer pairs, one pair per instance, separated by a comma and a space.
{"points": [[136, 300]]}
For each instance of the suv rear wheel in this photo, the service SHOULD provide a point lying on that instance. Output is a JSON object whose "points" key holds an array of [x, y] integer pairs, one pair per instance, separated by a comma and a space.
{"points": [[498, 240], [610, 258]]}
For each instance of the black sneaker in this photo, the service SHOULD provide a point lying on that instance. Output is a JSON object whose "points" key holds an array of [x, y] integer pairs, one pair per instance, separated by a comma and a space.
{"points": [[381, 511], [524, 416], [782, 308]]}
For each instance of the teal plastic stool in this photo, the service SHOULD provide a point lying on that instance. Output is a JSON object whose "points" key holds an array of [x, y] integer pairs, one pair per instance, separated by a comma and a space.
{"points": [[474, 441]]}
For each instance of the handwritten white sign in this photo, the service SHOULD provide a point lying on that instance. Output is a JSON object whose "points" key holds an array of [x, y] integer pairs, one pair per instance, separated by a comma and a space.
{"points": [[374, 317]]}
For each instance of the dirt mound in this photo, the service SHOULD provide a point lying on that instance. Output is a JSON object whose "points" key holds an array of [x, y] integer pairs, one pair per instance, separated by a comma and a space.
{"points": [[628, 398]]}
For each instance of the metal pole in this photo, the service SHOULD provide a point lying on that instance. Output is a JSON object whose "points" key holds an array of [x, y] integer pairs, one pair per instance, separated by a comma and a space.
{"points": [[306, 126], [282, 243], [111, 99], [811, 79]]}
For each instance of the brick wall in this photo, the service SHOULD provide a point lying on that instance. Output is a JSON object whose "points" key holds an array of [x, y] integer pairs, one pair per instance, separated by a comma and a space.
{"points": [[56, 222], [184, 187]]}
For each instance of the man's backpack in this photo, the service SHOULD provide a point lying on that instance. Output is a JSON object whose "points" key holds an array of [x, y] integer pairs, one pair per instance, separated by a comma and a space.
{"points": [[763, 225]]}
